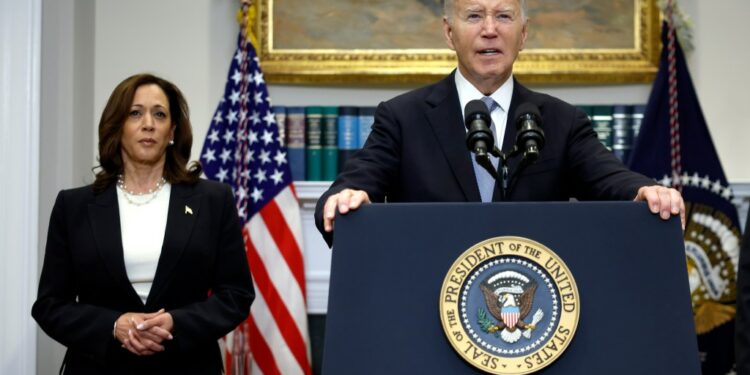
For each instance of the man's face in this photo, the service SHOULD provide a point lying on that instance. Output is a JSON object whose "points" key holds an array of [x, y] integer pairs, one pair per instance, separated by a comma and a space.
{"points": [[487, 36]]}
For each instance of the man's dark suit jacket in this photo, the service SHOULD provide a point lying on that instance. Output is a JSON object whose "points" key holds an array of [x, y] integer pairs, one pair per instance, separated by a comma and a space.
{"points": [[84, 287], [416, 152], [742, 328]]}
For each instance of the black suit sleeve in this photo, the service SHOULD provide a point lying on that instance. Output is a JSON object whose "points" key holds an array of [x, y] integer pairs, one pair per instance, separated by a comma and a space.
{"points": [[742, 324], [372, 169], [595, 171], [231, 293], [83, 327]]}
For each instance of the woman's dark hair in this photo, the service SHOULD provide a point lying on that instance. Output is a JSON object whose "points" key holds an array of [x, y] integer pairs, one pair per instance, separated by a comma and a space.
{"points": [[110, 133]]}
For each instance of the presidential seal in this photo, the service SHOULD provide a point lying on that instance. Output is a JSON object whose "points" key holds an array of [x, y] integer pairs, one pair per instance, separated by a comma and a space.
{"points": [[509, 305]]}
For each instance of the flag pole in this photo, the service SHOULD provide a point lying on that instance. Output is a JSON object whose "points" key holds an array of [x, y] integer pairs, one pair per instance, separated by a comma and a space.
{"points": [[674, 118]]}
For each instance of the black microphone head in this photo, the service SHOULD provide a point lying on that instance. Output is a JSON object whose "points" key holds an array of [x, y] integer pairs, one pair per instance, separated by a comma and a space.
{"points": [[529, 136], [527, 111], [476, 109]]}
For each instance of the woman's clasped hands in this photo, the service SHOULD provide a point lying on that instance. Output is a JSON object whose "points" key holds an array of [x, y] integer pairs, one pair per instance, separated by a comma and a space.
{"points": [[144, 334]]}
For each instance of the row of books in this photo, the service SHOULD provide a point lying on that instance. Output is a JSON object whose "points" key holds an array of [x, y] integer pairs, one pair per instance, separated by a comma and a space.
{"points": [[320, 139], [616, 126]]}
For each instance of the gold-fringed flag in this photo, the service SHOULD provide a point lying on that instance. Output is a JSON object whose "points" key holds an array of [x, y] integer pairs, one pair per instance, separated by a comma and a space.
{"points": [[243, 149], [674, 147]]}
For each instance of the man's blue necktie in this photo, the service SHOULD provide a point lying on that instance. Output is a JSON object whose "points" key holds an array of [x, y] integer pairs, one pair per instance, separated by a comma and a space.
{"points": [[484, 179]]}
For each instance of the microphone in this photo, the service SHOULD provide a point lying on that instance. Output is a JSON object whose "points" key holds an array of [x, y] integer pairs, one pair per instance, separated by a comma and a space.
{"points": [[529, 136], [479, 138]]}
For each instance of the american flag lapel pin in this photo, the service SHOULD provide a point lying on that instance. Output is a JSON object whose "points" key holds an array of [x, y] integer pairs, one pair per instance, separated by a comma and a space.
{"points": [[188, 210]]}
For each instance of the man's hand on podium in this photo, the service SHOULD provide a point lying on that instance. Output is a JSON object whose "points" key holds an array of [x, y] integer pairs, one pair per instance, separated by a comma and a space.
{"points": [[663, 201], [346, 200]]}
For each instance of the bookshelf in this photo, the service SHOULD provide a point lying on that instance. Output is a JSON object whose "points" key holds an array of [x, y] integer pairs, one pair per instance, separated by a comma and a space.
{"points": [[318, 255]]}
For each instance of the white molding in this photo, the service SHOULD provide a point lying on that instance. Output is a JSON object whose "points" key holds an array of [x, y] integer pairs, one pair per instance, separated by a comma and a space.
{"points": [[20, 52], [318, 276], [317, 291]]}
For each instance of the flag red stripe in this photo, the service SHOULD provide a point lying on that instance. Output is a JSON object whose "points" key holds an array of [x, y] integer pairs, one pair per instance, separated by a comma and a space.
{"points": [[261, 352], [284, 321], [285, 241], [228, 362]]}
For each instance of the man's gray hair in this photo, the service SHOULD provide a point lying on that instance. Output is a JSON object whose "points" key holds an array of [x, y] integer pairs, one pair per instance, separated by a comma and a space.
{"points": [[448, 9]]}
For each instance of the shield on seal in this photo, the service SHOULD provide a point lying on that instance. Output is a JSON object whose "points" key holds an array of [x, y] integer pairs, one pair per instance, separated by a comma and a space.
{"points": [[510, 316]]}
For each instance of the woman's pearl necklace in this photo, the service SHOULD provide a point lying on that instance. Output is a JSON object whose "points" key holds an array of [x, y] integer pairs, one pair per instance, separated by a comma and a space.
{"points": [[140, 199]]}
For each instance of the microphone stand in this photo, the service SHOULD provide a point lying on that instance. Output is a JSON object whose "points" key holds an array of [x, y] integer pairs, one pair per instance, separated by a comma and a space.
{"points": [[484, 161]]}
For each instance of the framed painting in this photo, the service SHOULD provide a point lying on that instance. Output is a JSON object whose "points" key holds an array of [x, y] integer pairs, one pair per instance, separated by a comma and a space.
{"points": [[401, 41]]}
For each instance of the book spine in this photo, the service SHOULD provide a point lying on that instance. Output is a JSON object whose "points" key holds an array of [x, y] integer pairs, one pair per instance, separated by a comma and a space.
{"points": [[622, 141], [602, 123], [295, 141], [348, 142], [279, 112], [330, 143], [314, 143], [366, 119]]}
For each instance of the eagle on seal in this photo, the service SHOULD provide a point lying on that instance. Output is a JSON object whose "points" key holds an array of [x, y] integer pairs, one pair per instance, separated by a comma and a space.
{"points": [[509, 296]]}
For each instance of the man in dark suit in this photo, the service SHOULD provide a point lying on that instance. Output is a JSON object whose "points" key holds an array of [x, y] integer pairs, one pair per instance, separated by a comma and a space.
{"points": [[417, 151]]}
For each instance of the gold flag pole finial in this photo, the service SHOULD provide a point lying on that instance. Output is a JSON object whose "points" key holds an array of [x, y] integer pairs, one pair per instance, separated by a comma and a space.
{"points": [[246, 18]]}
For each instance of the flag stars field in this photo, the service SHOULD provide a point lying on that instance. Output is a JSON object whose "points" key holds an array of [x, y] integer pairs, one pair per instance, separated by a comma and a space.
{"points": [[213, 136], [260, 176], [232, 117], [255, 117], [267, 137], [265, 157], [237, 77], [257, 194], [222, 174], [269, 118], [258, 78], [277, 176], [235, 97], [208, 156], [225, 156], [696, 181], [280, 157]]}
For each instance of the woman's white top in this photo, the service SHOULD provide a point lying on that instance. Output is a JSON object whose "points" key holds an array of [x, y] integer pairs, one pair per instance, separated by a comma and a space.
{"points": [[143, 229]]}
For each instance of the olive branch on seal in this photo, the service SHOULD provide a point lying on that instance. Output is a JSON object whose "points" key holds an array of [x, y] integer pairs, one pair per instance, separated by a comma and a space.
{"points": [[486, 323]]}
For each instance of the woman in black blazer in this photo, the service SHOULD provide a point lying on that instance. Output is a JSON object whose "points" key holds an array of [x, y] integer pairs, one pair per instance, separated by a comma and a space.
{"points": [[145, 269]]}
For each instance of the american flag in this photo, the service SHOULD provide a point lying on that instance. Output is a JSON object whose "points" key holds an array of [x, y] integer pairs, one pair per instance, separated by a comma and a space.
{"points": [[243, 149]]}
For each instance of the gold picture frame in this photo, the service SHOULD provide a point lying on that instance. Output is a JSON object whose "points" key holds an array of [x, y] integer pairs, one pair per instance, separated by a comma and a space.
{"points": [[637, 64]]}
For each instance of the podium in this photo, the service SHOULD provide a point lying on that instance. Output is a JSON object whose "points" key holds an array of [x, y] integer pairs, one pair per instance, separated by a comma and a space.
{"points": [[390, 260]]}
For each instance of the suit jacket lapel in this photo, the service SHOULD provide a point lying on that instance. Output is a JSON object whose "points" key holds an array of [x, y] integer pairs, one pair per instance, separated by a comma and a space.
{"points": [[184, 207], [447, 123], [104, 215], [520, 95]]}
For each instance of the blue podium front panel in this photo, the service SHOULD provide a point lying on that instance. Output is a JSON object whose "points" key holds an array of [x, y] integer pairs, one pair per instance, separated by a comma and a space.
{"points": [[390, 261]]}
